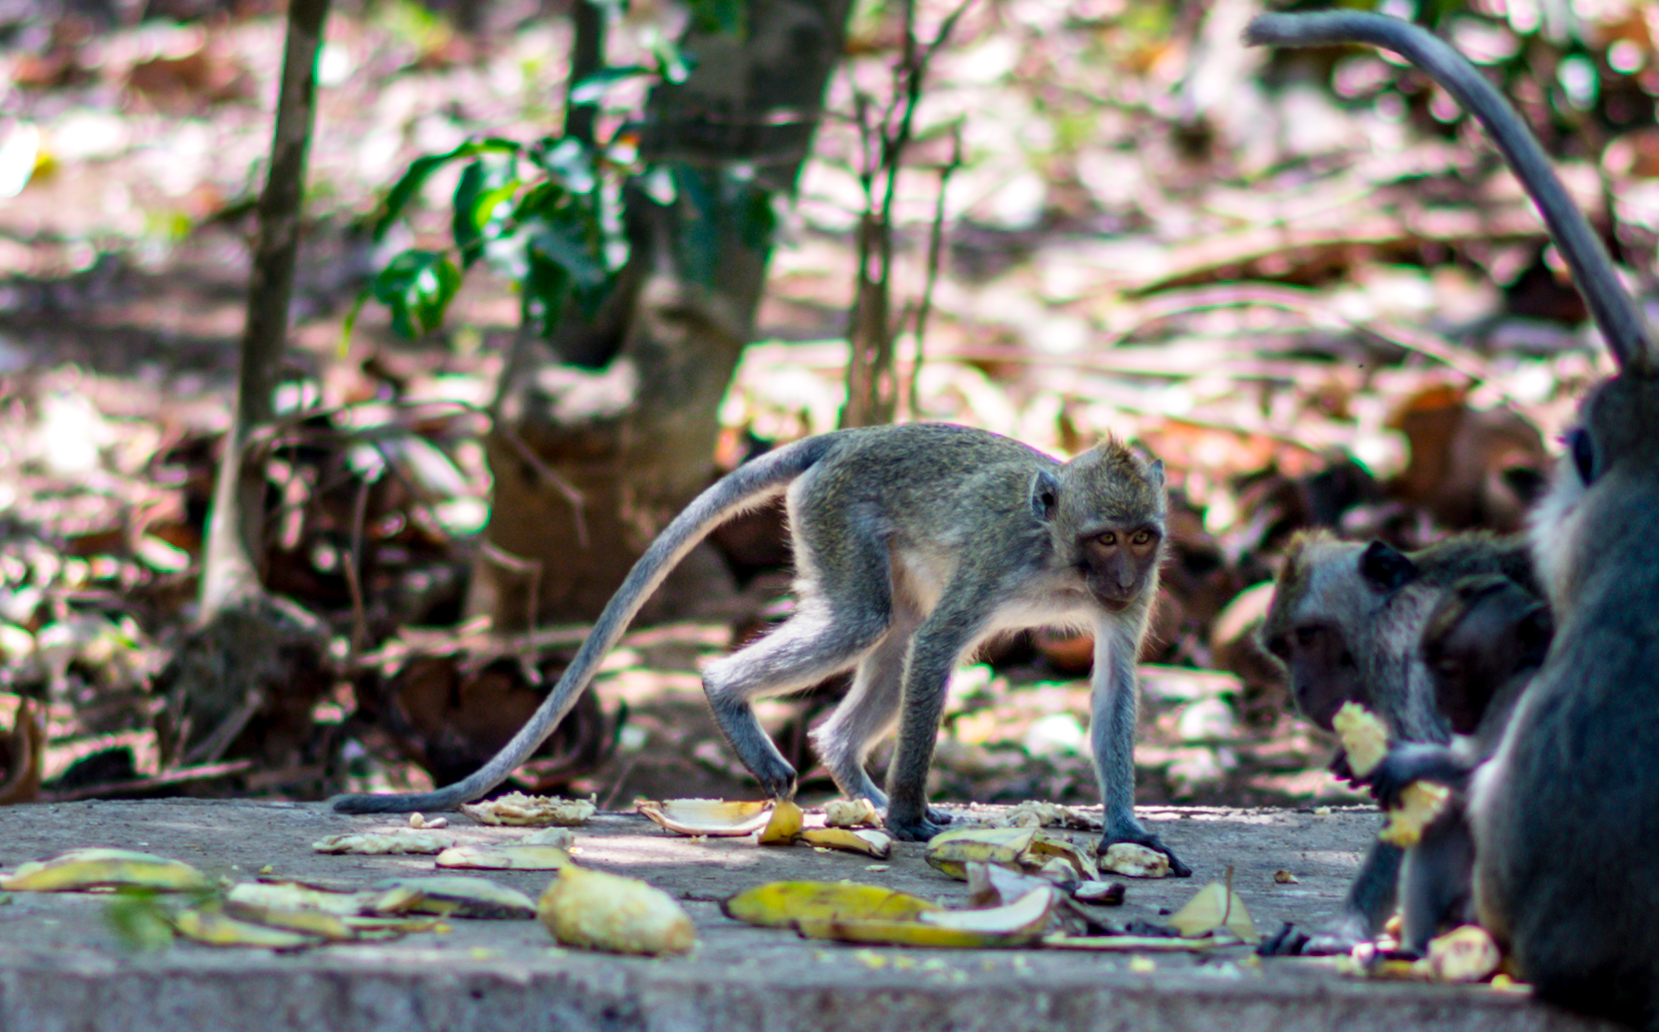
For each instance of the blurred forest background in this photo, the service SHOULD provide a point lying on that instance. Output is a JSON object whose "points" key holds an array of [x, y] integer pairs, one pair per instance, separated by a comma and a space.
{"points": [[1305, 281]]}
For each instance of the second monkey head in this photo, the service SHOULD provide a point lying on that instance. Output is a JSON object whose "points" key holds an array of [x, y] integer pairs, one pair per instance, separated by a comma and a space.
{"points": [[1106, 510]]}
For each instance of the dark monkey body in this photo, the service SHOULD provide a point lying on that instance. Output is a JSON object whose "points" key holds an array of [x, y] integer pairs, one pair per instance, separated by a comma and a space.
{"points": [[1565, 815], [1346, 621], [1482, 645], [912, 544]]}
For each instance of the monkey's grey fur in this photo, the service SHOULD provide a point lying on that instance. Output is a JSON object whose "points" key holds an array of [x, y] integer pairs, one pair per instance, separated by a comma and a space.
{"points": [[1566, 814], [1346, 620], [912, 545]]}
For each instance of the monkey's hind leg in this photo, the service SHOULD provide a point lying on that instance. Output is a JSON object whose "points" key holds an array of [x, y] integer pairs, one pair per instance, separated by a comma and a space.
{"points": [[812, 645], [867, 713]]}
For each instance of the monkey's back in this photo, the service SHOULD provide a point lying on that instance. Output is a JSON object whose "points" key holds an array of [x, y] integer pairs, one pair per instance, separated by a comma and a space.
{"points": [[905, 487]]}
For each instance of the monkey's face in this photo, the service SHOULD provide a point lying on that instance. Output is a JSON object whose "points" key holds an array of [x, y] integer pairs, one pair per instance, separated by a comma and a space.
{"points": [[1119, 562], [1335, 614]]}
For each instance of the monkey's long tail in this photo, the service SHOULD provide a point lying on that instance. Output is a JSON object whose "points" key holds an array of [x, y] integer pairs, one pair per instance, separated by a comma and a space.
{"points": [[744, 488], [1615, 313]]}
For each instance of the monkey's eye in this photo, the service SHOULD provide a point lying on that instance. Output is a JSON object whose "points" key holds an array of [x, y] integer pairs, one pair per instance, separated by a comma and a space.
{"points": [[1584, 453], [1142, 537], [1109, 539]]}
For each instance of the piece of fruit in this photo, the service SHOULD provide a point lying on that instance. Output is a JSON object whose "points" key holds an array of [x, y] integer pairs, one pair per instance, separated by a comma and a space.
{"points": [[1021, 922], [95, 868], [1046, 848], [1464, 954], [1364, 737], [784, 824], [533, 810], [216, 929], [867, 841], [507, 856], [713, 817], [452, 896], [780, 904], [1133, 860], [851, 813], [595, 910], [289, 896], [1365, 740], [306, 921], [949, 851], [403, 840]]}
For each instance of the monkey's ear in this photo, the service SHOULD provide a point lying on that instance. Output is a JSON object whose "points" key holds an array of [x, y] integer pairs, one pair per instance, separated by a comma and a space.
{"points": [[1045, 494], [1155, 472], [1385, 567]]}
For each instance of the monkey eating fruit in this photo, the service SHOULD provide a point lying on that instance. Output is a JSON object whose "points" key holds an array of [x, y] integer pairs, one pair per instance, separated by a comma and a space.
{"points": [[912, 544], [1483, 643]]}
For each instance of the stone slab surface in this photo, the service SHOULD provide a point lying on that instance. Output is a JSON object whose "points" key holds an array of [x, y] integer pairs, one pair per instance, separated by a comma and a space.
{"points": [[62, 969]]}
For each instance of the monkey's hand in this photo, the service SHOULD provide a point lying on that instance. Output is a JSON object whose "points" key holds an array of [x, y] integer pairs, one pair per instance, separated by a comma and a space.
{"points": [[1141, 837], [1414, 761], [1339, 767]]}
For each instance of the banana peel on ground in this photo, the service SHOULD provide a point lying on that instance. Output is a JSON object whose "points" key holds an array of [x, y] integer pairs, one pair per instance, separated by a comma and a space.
{"points": [[869, 842], [519, 808], [710, 817], [874, 915], [505, 856], [1020, 923], [1026, 849], [780, 904], [98, 868]]}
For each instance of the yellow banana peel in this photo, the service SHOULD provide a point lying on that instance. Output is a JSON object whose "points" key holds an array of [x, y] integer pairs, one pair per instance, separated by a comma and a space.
{"points": [[786, 822], [950, 851], [713, 817], [95, 868], [868, 841], [217, 929], [504, 857], [780, 904]]}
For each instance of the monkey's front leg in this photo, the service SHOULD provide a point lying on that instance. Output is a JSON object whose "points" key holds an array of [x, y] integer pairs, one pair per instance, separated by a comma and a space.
{"points": [[927, 676], [1112, 735]]}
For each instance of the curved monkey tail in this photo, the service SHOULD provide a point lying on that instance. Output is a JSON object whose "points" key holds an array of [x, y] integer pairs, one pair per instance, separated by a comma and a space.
{"points": [[744, 488], [1615, 314]]}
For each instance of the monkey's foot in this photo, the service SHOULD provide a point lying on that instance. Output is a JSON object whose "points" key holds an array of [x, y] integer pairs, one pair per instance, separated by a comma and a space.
{"points": [[778, 783], [1337, 937], [917, 830], [1141, 837]]}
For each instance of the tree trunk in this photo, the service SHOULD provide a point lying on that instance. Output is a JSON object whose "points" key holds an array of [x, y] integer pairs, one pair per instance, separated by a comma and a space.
{"points": [[244, 680], [629, 419]]}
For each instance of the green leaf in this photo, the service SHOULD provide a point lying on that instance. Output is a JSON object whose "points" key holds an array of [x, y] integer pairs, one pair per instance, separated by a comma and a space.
{"points": [[591, 90], [417, 286], [481, 204], [421, 169]]}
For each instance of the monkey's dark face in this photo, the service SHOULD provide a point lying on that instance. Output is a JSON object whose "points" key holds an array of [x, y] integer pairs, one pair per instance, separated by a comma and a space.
{"points": [[1323, 674], [1119, 562], [1330, 595]]}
